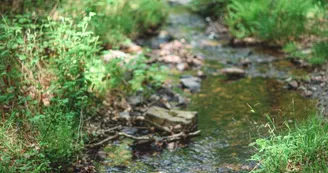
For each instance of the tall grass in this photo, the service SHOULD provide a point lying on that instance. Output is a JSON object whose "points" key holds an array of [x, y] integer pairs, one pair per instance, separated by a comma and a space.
{"points": [[279, 20], [117, 20], [303, 149]]}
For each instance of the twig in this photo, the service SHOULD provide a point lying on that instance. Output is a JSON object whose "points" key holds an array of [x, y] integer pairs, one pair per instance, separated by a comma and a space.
{"points": [[103, 141], [109, 130], [171, 138], [135, 137], [180, 135], [257, 165]]}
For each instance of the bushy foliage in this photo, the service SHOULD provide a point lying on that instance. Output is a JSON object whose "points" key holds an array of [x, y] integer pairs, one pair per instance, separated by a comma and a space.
{"points": [[210, 7], [279, 20], [43, 86], [116, 20], [48, 86], [303, 149]]}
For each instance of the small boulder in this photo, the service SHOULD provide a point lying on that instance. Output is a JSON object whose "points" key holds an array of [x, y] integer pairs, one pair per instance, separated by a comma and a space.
{"points": [[135, 100], [130, 130], [308, 93], [292, 84], [172, 120], [233, 72], [245, 62], [191, 83], [125, 116]]}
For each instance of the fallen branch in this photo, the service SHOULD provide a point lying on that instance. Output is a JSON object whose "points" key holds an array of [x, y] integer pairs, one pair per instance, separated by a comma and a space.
{"points": [[181, 135], [109, 130], [103, 141], [135, 137], [175, 137]]}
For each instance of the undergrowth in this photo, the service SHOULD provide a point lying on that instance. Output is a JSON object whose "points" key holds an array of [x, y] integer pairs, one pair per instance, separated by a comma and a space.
{"points": [[210, 7], [304, 148], [292, 24], [52, 78], [117, 20]]}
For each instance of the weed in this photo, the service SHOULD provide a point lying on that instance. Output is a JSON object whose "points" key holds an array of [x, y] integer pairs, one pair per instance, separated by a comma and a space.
{"points": [[302, 149], [268, 20], [117, 20]]}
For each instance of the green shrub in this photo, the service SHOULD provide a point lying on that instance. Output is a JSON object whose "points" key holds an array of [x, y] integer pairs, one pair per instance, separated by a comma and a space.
{"points": [[116, 20], [52, 78], [303, 149], [318, 54], [128, 76], [279, 20], [43, 87], [320, 51], [210, 7]]}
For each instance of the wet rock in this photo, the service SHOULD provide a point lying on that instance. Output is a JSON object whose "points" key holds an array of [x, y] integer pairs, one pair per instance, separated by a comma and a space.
{"points": [[308, 93], [102, 154], [154, 98], [224, 170], [175, 120], [135, 114], [163, 103], [233, 72], [300, 62], [201, 74], [292, 84], [163, 37], [171, 59], [307, 51], [191, 83], [124, 116], [177, 101], [114, 54], [182, 66], [245, 62], [135, 100], [317, 79], [131, 48], [176, 53], [313, 88], [130, 130]]}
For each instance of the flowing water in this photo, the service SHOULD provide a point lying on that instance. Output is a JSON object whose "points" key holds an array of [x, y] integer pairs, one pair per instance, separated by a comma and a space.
{"points": [[232, 114]]}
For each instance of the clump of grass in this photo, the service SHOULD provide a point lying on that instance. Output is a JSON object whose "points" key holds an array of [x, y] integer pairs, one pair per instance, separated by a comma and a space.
{"points": [[117, 20], [279, 20], [210, 7], [303, 149], [51, 79], [316, 55]]}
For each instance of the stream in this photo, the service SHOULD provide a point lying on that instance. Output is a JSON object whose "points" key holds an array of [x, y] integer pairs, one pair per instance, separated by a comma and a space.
{"points": [[231, 113]]}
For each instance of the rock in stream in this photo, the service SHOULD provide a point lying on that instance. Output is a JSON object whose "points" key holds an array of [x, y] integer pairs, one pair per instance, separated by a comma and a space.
{"points": [[172, 120]]}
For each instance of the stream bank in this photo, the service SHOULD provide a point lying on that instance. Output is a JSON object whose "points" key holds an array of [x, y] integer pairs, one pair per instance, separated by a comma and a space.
{"points": [[232, 113]]}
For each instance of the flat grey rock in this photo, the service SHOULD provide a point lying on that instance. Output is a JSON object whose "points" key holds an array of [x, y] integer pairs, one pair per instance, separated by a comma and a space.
{"points": [[175, 120], [191, 83]]}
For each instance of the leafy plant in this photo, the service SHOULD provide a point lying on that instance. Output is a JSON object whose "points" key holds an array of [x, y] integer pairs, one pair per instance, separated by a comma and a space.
{"points": [[280, 20], [302, 149], [210, 7], [43, 88], [118, 20]]}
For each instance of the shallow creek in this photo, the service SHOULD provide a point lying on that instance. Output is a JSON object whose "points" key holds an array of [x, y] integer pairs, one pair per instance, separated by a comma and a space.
{"points": [[232, 113]]}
